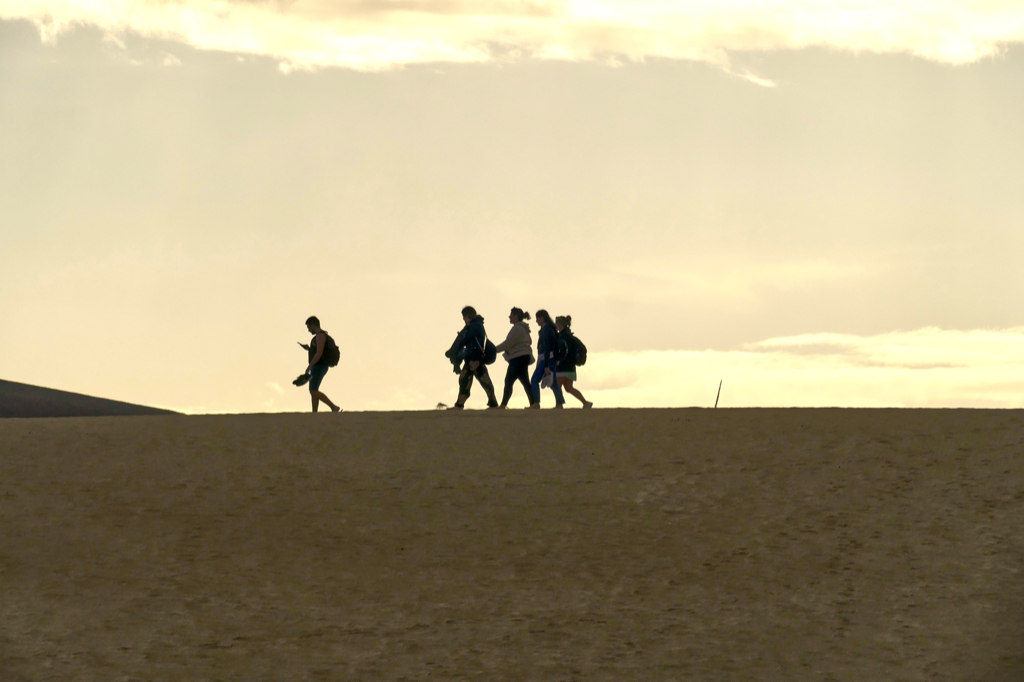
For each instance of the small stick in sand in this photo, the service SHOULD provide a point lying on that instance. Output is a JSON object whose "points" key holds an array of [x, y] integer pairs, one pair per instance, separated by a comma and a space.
{"points": [[719, 393]]}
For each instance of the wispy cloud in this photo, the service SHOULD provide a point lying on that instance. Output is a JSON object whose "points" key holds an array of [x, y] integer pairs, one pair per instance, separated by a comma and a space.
{"points": [[402, 399], [375, 34], [923, 368]]}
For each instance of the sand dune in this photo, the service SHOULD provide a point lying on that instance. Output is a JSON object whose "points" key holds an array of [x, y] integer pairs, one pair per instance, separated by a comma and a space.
{"points": [[585, 545], [24, 400]]}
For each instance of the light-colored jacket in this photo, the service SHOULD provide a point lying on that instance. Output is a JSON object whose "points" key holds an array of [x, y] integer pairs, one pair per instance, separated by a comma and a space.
{"points": [[518, 342]]}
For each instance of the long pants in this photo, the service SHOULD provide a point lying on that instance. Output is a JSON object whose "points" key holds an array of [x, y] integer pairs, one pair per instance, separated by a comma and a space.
{"points": [[518, 370], [538, 374], [476, 369]]}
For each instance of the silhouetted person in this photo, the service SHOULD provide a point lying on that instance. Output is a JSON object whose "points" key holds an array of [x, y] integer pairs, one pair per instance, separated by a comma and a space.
{"points": [[518, 351], [469, 349], [547, 359], [317, 368], [565, 371]]}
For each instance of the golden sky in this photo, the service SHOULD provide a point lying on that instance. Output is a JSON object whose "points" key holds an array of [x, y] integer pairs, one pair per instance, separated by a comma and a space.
{"points": [[816, 202]]}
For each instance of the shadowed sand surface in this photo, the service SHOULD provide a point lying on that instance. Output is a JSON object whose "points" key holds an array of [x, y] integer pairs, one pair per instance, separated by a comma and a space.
{"points": [[585, 545], [25, 400]]}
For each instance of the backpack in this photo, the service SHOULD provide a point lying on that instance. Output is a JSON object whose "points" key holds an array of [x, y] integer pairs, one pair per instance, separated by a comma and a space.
{"points": [[332, 354], [581, 352], [490, 352]]}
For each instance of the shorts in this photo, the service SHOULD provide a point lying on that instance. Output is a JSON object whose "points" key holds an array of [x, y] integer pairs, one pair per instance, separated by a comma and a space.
{"points": [[571, 376], [316, 375]]}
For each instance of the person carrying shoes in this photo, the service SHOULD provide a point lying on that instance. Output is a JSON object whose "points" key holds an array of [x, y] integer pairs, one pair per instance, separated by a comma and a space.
{"points": [[321, 353], [547, 359]]}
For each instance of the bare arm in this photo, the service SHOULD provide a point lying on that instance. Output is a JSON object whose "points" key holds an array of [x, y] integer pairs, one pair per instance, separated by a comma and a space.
{"points": [[321, 341]]}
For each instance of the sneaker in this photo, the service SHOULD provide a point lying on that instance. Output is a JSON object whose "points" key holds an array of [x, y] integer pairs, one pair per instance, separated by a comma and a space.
{"points": [[587, 406]]}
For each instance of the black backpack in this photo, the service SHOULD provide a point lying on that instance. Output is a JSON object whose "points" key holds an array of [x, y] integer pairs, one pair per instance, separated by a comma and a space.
{"points": [[332, 354], [490, 352], [581, 351]]}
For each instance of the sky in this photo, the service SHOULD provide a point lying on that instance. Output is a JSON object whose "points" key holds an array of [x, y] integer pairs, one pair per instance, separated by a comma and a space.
{"points": [[815, 203]]}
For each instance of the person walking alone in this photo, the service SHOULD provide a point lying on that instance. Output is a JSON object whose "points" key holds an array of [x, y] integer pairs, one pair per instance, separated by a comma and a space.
{"points": [[469, 348], [565, 370], [519, 355], [547, 358], [317, 367]]}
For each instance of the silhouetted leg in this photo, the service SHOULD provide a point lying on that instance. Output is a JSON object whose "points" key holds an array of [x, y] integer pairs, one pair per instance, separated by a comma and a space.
{"points": [[485, 380], [317, 395], [567, 385], [538, 374], [524, 378], [510, 380], [465, 384], [316, 375], [557, 388]]}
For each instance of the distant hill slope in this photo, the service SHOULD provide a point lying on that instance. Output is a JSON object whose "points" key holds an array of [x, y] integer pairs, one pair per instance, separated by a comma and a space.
{"points": [[23, 400]]}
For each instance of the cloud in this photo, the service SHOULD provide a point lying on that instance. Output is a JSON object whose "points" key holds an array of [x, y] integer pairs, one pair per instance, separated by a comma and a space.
{"points": [[402, 399], [923, 368], [376, 34]]}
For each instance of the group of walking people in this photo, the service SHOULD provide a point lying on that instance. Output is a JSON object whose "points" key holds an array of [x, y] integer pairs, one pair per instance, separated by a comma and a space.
{"points": [[559, 353]]}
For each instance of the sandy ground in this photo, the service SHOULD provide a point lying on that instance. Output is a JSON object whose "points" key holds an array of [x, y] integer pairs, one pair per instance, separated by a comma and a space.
{"points": [[603, 545]]}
